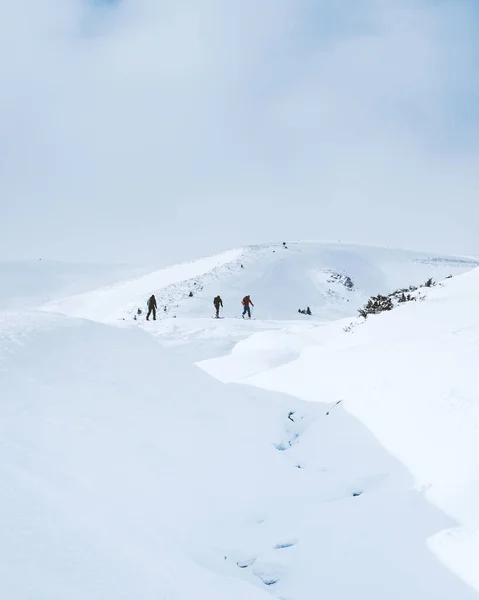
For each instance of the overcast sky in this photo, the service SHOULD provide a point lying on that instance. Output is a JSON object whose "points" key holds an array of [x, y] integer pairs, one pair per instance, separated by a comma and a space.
{"points": [[161, 130]]}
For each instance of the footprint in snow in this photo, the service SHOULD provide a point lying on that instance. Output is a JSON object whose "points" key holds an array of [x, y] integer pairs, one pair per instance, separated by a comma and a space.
{"points": [[268, 573], [285, 544], [246, 562]]}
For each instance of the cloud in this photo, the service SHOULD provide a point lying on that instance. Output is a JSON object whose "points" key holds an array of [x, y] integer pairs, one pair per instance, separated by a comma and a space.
{"points": [[161, 131]]}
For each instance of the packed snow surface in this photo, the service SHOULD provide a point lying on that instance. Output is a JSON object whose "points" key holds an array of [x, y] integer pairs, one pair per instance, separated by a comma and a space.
{"points": [[346, 467]]}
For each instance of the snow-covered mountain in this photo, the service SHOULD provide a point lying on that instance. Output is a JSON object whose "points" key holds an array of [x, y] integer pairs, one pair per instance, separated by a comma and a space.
{"points": [[334, 279], [346, 467]]}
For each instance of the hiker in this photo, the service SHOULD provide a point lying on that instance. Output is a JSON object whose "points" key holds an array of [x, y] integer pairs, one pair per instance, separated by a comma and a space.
{"points": [[217, 303], [308, 310], [151, 308], [246, 304]]}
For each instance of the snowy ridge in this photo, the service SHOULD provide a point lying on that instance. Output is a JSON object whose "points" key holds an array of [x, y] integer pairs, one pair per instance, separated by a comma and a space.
{"points": [[334, 279], [113, 302], [130, 472]]}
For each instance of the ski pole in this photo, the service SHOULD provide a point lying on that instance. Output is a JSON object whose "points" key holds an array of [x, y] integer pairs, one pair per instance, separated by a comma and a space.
{"points": [[334, 405]]}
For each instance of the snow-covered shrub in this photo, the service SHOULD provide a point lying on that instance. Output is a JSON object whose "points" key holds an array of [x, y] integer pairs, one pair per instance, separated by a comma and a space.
{"points": [[375, 305], [379, 303]]}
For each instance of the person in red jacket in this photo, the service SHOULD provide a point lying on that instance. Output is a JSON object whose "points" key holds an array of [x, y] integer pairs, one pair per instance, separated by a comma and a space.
{"points": [[247, 303]]}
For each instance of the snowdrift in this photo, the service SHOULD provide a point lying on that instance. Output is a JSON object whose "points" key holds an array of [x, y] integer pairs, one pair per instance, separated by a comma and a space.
{"points": [[119, 466], [128, 472], [410, 376]]}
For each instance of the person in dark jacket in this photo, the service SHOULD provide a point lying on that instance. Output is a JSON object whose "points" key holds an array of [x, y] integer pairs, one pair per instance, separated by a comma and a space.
{"points": [[151, 308], [218, 303], [247, 303]]}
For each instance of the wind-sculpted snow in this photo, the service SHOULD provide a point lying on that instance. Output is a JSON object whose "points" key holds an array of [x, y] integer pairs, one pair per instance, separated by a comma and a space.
{"points": [[110, 462], [128, 472], [410, 376]]}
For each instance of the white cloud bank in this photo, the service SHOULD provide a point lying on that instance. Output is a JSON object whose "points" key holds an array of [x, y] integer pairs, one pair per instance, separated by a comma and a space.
{"points": [[163, 130]]}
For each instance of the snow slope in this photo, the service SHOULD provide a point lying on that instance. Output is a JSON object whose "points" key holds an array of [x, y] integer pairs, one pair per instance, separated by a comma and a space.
{"points": [[409, 376], [280, 280], [128, 472], [101, 462]]}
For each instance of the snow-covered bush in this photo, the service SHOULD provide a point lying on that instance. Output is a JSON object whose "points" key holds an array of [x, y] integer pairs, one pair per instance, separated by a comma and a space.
{"points": [[375, 305], [379, 303]]}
